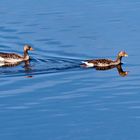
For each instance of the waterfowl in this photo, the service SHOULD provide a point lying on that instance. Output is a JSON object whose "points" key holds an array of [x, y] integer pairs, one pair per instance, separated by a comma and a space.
{"points": [[15, 58], [105, 62]]}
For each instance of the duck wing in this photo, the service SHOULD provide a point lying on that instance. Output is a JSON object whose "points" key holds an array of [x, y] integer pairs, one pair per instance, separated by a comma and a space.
{"points": [[10, 56], [101, 62]]}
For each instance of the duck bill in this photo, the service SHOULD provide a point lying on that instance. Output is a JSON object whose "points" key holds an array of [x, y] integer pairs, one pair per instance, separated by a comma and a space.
{"points": [[31, 49], [126, 55]]}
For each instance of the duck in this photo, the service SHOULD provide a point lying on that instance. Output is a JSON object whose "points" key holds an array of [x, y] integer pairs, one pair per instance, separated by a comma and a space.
{"points": [[15, 58], [105, 62]]}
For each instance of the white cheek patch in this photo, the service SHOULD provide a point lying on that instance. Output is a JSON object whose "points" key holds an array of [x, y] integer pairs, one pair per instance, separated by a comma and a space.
{"points": [[88, 64]]}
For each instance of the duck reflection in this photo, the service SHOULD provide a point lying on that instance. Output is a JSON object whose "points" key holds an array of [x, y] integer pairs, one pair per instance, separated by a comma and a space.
{"points": [[26, 65], [118, 67]]}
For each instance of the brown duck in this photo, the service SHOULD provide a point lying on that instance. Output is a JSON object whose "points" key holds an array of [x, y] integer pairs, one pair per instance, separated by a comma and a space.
{"points": [[105, 62], [15, 58]]}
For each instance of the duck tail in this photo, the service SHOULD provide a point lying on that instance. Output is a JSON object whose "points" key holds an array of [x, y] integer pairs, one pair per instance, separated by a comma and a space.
{"points": [[83, 62], [87, 64]]}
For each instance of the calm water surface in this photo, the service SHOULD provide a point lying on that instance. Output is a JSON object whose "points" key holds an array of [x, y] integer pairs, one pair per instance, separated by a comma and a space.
{"points": [[53, 97]]}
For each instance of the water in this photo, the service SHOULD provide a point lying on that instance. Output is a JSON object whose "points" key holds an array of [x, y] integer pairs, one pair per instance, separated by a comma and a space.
{"points": [[53, 97]]}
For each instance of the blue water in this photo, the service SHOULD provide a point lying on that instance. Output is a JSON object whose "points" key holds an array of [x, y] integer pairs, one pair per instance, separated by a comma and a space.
{"points": [[53, 97]]}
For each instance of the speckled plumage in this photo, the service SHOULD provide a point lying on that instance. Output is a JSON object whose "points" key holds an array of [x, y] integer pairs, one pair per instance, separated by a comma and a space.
{"points": [[101, 62], [10, 55]]}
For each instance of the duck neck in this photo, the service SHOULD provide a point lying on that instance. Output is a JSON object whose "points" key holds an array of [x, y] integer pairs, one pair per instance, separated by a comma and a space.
{"points": [[119, 58], [25, 55]]}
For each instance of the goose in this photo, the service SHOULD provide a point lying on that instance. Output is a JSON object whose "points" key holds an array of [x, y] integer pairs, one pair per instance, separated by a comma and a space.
{"points": [[15, 58], [105, 62]]}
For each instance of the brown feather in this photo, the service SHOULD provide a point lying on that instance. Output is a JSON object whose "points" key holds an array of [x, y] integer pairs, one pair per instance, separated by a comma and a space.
{"points": [[10, 55], [101, 62]]}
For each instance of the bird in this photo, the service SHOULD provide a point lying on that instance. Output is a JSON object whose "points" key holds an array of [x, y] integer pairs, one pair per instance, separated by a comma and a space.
{"points": [[105, 62], [15, 58]]}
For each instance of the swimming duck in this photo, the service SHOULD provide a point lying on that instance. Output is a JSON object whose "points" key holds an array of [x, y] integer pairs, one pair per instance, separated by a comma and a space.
{"points": [[15, 58], [105, 62]]}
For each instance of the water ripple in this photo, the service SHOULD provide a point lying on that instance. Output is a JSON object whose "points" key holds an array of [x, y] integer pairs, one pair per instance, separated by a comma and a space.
{"points": [[4, 29], [40, 66]]}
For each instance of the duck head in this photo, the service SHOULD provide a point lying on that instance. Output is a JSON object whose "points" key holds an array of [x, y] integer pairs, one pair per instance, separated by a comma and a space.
{"points": [[27, 48], [122, 54]]}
